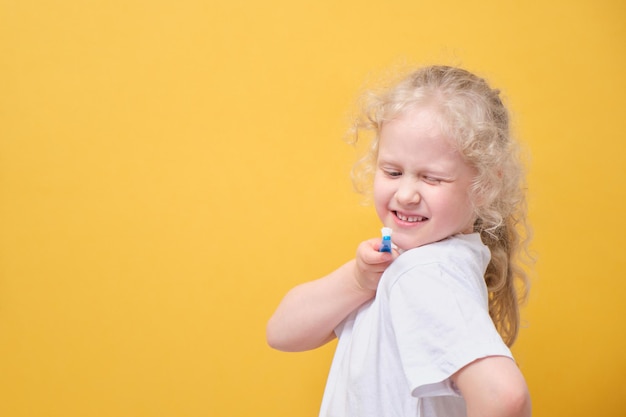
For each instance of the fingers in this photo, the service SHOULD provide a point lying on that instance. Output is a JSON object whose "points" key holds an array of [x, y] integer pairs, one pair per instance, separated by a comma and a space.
{"points": [[368, 253], [370, 263]]}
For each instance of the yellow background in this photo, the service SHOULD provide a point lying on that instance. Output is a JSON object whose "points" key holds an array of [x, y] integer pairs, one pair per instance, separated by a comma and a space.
{"points": [[169, 169]]}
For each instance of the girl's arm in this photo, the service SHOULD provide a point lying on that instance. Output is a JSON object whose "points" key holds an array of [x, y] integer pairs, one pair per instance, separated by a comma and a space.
{"points": [[307, 316], [493, 387]]}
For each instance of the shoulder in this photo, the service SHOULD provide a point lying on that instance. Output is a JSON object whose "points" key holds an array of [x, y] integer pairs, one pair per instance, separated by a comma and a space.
{"points": [[455, 247], [458, 252], [450, 269]]}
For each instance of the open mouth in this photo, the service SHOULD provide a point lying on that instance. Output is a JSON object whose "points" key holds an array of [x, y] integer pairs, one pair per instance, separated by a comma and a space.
{"points": [[410, 219]]}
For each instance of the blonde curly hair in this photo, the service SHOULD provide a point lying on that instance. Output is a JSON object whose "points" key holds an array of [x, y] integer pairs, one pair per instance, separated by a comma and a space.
{"points": [[474, 116]]}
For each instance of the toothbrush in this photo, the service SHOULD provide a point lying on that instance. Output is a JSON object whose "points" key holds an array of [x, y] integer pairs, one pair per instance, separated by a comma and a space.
{"points": [[385, 245]]}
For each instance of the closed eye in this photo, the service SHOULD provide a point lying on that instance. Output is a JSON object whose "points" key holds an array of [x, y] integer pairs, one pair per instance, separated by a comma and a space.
{"points": [[392, 174], [432, 180]]}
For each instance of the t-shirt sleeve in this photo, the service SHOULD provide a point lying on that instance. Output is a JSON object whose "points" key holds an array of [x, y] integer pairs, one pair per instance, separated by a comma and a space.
{"points": [[441, 324]]}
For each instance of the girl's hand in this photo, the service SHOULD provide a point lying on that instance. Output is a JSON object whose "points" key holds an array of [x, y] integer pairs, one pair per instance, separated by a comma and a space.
{"points": [[370, 264]]}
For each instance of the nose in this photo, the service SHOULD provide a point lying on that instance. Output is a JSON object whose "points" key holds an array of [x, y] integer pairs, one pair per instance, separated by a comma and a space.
{"points": [[408, 193]]}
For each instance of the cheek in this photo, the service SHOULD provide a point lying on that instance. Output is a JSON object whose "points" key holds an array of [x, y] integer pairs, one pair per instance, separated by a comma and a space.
{"points": [[380, 194], [463, 210]]}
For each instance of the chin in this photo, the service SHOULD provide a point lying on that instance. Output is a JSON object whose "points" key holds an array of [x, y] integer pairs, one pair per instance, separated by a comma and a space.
{"points": [[404, 246], [407, 244]]}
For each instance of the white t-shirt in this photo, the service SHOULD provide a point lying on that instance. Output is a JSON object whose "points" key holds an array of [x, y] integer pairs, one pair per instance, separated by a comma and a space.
{"points": [[429, 319]]}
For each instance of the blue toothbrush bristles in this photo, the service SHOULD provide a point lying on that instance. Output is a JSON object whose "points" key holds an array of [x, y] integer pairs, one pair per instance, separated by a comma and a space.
{"points": [[385, 245]]}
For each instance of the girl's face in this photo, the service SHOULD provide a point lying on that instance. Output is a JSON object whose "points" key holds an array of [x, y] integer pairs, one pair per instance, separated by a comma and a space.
{"points": [[421, 185]]}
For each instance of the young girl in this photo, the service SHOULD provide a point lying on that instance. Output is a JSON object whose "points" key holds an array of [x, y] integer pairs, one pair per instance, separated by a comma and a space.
{"points": [[426, 330]]}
